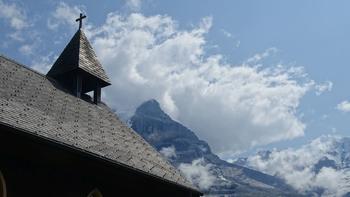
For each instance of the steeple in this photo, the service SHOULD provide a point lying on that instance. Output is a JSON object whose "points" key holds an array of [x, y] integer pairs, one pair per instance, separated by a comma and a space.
{"points": [[77, 68]]}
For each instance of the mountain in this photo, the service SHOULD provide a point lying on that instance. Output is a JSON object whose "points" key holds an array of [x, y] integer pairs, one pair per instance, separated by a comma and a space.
{"points": [[196, 160], [319, 168]]}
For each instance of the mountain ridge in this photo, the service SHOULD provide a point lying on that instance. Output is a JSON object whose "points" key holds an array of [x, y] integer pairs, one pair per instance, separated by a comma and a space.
{"points": [[153, 124], [318, 168]]}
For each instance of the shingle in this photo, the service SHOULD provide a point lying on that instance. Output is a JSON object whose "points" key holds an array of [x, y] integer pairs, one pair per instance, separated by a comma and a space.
{"points": [[29, 101]]}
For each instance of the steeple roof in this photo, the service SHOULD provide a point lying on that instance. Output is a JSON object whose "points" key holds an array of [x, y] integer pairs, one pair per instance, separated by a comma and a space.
{"points": [[79, 55]]}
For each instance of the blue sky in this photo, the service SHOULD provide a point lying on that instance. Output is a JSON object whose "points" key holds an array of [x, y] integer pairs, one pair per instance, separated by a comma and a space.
{"points": [[309, 34]]}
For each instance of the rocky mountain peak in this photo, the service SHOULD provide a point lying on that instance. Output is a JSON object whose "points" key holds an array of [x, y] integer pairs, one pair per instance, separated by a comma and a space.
{"points": [[187, 151], [151, 109]]}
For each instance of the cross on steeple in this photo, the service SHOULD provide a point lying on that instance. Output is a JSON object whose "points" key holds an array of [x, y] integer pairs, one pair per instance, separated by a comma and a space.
{"points": [[80, 19]]}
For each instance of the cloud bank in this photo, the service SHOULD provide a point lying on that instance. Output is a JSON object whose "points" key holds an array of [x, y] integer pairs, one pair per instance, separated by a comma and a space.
{"points": [[232, 107], [319, 166]]}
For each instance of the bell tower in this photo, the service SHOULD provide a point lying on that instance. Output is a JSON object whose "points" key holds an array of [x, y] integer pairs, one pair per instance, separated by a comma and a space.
{"points": [[77, 68]]}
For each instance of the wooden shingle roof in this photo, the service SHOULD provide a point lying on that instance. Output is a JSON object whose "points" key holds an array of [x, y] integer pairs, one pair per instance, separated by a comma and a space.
{"points": [[79, 54], [32, 103]]}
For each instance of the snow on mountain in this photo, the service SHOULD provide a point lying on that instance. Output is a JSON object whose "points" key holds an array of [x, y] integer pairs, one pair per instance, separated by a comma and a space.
{"points": [[320, 168], [194, 158]]}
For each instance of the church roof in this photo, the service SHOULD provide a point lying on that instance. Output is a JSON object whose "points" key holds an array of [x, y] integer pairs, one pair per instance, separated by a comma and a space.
{"points": [[79, 54], [32, 103]]}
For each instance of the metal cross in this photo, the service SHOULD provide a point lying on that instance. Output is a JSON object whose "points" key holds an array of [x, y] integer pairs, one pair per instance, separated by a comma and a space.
{"points": [[80, 19]]}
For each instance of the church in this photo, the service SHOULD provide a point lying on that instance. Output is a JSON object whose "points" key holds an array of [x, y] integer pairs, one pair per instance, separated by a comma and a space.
{"points": [[57, 138]]}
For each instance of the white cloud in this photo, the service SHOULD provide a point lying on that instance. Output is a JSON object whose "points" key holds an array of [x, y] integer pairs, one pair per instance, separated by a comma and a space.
{"points": [[336, 182], [134, 5], [15, 15], [344, 106], [233, 107], [297, 166], [64, 15], [323, 87], [198, 172], [43, 63], [26, 49], [226, 33], [17, 36], [238, 43], [168, 152], [259, 56]]}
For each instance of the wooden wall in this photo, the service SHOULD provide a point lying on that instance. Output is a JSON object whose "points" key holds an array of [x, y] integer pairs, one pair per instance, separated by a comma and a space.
{"points": [[35, 167]]}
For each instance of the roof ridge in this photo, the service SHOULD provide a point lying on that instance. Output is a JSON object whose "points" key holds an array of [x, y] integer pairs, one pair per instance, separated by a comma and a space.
{"points": [[21, 64], [64, 90]]}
